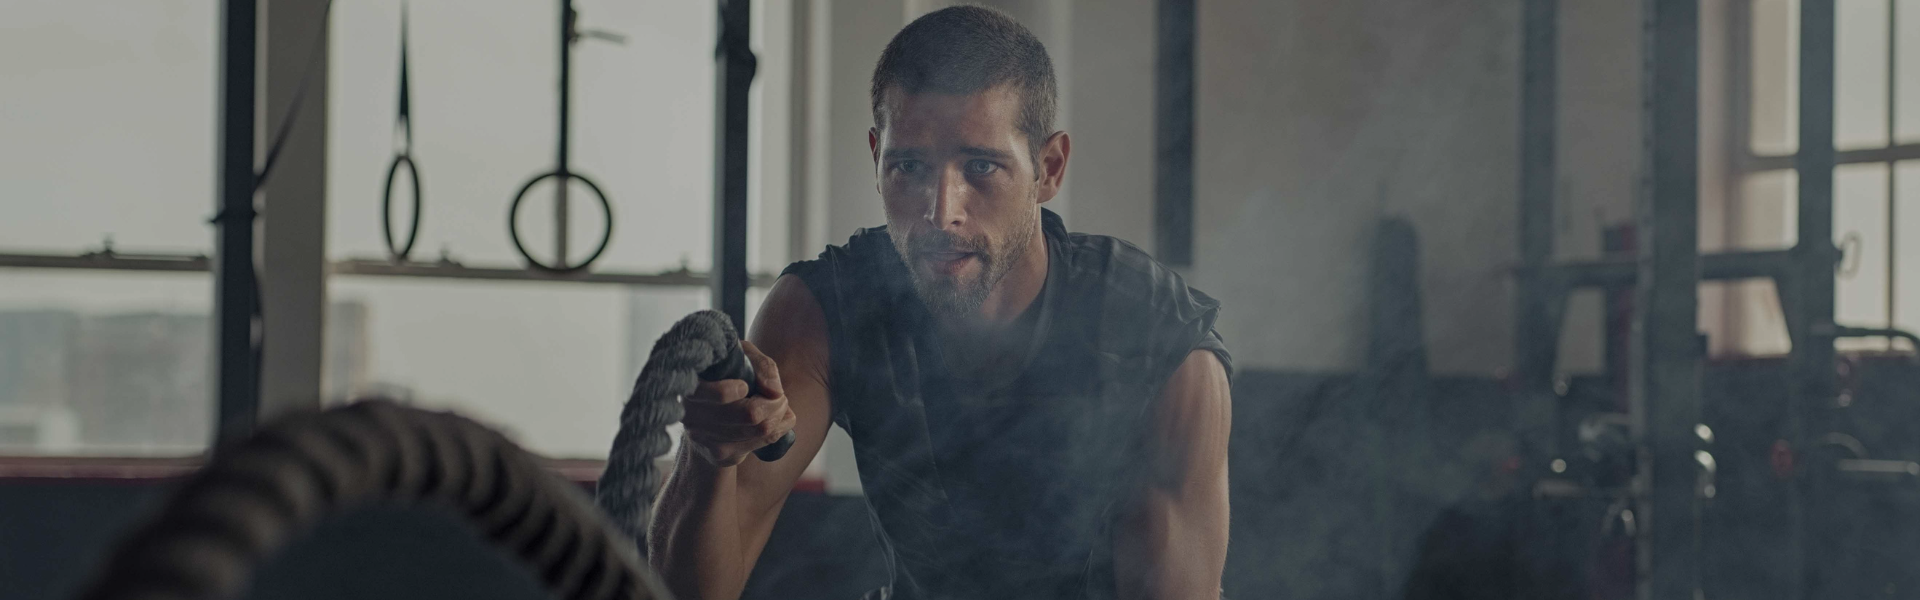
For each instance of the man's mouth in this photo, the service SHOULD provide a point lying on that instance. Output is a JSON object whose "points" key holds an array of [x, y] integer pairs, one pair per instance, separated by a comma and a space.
{"points": [[947, 263]]}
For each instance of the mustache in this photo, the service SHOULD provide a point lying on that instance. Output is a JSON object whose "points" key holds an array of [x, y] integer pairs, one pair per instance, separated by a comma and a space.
{"points": [[941, 242]]}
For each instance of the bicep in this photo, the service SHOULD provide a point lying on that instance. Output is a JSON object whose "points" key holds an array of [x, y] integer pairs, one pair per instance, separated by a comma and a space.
{"points": [[1174, 541], [791, 329], [1193, 419]]}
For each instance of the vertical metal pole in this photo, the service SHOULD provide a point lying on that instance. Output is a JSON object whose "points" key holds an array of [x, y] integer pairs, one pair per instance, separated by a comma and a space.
{"points": [[1538, 314], [735, 78], [1667, 344], [293, 230], [1538, 84], [1893, 99], [1536, 332], [1814, 256], [566, 129], [800, 121], [1738, 147], [235, 288], [1173, 134]]}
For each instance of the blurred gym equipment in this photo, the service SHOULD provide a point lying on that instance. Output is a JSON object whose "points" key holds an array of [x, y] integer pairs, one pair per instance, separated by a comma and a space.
{"points": [[562, 173]]}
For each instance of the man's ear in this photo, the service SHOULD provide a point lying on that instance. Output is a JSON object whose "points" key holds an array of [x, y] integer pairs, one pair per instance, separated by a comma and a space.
{"points": [[1052, 165], [873, 144]]}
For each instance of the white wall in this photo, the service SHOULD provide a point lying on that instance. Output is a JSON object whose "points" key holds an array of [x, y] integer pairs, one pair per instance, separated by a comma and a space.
{"points": [[855, 33], [1109, 94]]}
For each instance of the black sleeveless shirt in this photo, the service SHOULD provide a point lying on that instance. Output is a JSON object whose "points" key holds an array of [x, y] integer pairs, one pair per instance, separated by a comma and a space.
{"points": [[1004, 491]]}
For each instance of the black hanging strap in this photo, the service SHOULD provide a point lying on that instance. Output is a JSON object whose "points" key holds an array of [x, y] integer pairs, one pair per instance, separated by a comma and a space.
{"points": [[402, 121]]}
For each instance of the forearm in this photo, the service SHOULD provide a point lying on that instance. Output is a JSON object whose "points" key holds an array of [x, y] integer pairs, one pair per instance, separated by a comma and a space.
{"points": [[697, 542], [713, 521]]}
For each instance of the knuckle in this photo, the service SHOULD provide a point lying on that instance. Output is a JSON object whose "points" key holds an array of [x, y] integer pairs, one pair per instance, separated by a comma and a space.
{"points": [[731, 390], [764, 412]]}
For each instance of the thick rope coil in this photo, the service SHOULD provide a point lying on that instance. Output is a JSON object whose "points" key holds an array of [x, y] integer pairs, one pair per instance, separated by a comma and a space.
{"points": [[631, 482], [252, 497]]}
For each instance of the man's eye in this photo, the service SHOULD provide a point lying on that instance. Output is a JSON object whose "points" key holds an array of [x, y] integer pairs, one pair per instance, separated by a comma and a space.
{"points": [[980, 167], [908, 167]]}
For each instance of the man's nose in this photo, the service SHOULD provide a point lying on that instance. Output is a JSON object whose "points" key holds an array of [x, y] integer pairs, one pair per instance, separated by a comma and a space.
{"points": [[950, 195]]}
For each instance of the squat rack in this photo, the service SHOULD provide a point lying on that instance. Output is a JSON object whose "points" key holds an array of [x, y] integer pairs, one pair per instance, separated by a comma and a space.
{"points": [[1667, 349]]}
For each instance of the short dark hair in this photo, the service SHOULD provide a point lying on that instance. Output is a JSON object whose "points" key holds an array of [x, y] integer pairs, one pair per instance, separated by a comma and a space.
{"points": [[967, 50]]}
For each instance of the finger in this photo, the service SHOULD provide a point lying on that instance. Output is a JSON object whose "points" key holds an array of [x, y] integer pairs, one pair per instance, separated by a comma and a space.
{"points": [[787, 421], [765, 410], [764, 369], [729, 414], [726, 434], [752, 411], [750, 435], [760, 418], [719, 392]]}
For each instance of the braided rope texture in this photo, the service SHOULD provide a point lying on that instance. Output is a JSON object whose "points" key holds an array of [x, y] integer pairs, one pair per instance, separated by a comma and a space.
{"points": [[253, 496], [632, 482]]}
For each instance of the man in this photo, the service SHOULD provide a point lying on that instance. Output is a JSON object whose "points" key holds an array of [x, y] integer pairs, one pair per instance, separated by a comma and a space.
{"points": [[1036, 414]]}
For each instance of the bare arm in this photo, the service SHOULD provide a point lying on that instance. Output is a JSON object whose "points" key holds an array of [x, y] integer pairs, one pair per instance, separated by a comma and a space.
{"points": [[1171, 544], [720, 504]]}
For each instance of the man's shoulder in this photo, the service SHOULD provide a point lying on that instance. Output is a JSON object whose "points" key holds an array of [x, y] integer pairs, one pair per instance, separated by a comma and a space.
{"points": [[854, 280], [1119, 270], [866, 246]]}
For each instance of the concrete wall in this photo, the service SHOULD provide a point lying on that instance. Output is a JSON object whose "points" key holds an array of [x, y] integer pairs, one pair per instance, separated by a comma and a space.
{"points": [[1598, 149], [1318, 118], [1109, 95]]}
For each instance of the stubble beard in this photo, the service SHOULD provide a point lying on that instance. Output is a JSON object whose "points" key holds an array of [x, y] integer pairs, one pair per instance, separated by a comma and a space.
{"points": [[954, 298]]}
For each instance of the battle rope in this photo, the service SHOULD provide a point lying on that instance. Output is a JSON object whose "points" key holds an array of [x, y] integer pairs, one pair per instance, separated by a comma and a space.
{"points": [[251, 497], [702, 346]]}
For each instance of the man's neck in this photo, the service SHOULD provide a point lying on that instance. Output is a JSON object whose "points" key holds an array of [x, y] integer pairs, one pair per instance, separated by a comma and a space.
{"points": [[988, 343], [1017, 290]]}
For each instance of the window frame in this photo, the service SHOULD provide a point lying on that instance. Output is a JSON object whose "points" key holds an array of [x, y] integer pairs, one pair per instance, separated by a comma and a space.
{"points": [[282, 75], [1745, 162]]}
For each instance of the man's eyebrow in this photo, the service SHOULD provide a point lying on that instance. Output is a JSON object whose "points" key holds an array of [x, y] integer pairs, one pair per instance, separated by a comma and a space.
{"points": [[985, 153], [900, 153]]}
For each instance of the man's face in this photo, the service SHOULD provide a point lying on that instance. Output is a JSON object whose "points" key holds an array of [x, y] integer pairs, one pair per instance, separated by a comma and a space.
{"points": [[961, 190]]}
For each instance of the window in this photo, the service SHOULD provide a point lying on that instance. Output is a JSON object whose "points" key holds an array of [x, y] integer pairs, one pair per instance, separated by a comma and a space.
{"points": [[548, 362], [108, 145], [1876, 127], [109, 150], [484, 118]]}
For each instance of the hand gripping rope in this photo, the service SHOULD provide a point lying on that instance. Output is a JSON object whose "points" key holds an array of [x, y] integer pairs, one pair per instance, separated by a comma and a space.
{"points": [[702, 346]]}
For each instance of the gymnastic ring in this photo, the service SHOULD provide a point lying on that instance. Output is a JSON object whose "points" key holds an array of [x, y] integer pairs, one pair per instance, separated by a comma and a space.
{"points": [[560, 262], [398, 252]]}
